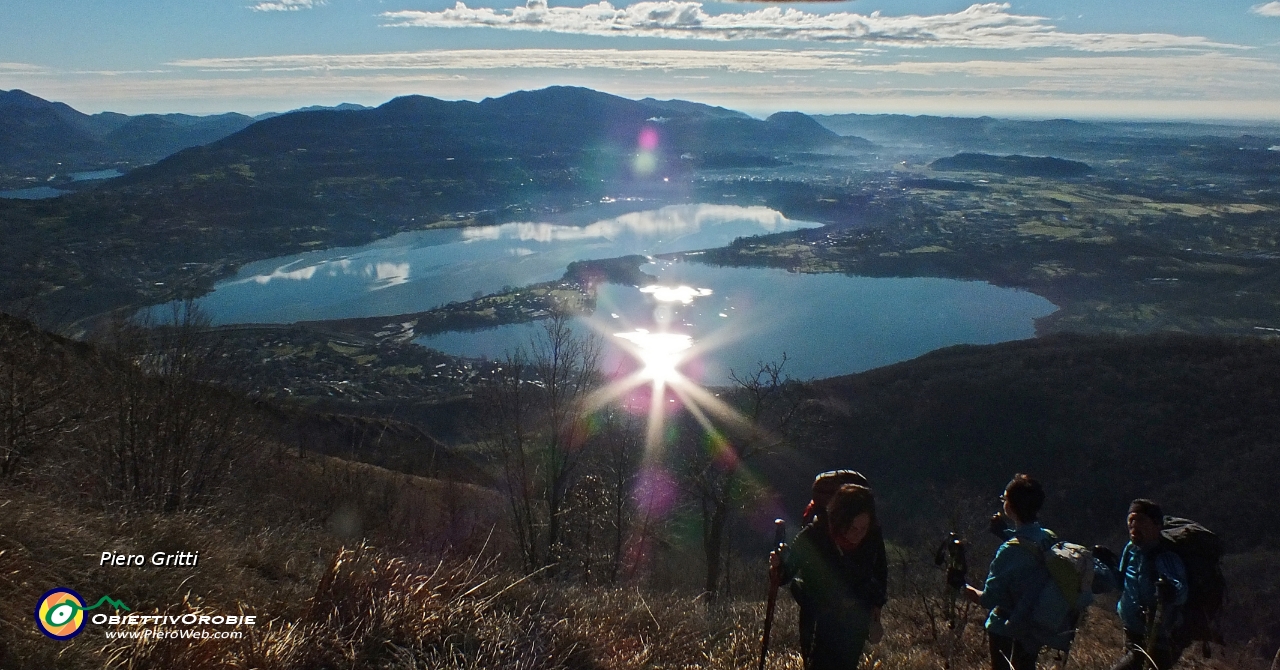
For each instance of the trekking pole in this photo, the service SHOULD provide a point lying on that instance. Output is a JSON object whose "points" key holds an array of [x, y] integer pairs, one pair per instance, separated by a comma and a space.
{"points": [[957, 578], [1153, 631], [779, 543]]}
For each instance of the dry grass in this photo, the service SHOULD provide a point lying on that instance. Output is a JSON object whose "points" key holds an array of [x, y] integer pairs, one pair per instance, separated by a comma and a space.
{"points": [[322, 605], [370, 611]]}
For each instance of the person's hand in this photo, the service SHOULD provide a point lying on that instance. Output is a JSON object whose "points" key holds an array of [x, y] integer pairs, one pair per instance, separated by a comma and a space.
{"points": [[997, 526], [775, 566]]}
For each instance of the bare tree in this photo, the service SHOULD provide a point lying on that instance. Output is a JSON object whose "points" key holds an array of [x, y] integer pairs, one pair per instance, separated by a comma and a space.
{"points": [[714, 458], [35, 385], [541, 433], [620, 456], [168, 436], [568, 367], [512, 433]]}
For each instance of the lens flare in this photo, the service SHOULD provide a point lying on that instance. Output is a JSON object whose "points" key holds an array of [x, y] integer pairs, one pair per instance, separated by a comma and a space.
{"points": [[646, 161], [660, 357], [661, 353], [680, 294], [648, 139]]}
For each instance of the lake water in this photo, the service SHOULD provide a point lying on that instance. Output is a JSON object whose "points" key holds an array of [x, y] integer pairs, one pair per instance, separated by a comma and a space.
{"points": [[90, 175], [414, 272], [826, 324], [42, 192], [35, 193]]}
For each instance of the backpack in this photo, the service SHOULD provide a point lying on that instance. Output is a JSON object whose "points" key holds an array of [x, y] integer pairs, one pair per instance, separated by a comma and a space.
{"points": [[1048, 612], [825, 486], [1201, 553]]}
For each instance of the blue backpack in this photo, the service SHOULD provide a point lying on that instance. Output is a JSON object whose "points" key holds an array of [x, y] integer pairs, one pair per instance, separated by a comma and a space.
{"points": [[1048, 612]]}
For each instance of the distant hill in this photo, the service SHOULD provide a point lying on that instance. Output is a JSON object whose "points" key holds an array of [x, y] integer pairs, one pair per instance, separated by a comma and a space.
{"points": [[39, 137], [982, 131], [554, 139], [685, 107], [1013, 166], [342, 107], [33, 130], [153, 136], [1191, 421]]}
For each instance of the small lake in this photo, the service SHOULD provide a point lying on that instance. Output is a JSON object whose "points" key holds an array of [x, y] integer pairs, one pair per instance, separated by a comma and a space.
{"points": [[34, 193], [414, 272], [90, 175], [826, 324]]}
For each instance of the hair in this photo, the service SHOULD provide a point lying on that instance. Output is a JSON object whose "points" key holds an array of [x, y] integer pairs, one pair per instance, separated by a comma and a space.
{"points": [[1147, 508], [1025, 495], [847, 503], [825, 486]]}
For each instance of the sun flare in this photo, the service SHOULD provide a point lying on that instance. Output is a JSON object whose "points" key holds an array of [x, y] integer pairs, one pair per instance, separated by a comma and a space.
{"points": [[660, 353]]}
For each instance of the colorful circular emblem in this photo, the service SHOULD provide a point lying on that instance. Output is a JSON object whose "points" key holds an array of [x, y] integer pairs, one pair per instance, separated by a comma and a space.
{"points": [[60, 614]]}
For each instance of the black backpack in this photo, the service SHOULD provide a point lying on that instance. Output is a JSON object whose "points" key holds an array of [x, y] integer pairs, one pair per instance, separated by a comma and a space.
{"points": [[1201, 553]]}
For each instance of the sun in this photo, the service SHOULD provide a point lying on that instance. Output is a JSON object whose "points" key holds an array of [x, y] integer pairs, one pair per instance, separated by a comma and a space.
{"points": [[660, 353]]}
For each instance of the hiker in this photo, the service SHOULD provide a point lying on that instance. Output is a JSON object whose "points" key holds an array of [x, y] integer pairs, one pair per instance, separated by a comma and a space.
{"points": [[1152, 579], [952, 555], [1013, 573], [838, 577]]}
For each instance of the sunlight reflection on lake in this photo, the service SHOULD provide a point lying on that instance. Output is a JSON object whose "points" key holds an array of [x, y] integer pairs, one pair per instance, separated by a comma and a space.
{"points": [[827, 324]]}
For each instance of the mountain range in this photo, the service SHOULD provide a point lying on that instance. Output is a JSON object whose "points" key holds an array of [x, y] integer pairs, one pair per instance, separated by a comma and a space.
{"points": [[39, 138]]}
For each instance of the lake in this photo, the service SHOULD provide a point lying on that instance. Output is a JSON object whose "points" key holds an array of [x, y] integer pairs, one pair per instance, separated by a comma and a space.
{"points": [[33, 193], [414, 272], [826, 324]]}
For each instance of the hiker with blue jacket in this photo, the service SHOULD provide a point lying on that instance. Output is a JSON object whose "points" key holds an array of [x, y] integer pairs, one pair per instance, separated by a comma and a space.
{"points": [[1014, 572], [1153, 585]]}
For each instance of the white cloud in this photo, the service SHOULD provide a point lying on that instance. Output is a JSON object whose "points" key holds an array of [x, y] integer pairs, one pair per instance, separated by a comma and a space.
{"points": [[285, 5], [987, 26], [1268, 9], [572, 59], [1177, 74], [1182, 74], [21, 68]]}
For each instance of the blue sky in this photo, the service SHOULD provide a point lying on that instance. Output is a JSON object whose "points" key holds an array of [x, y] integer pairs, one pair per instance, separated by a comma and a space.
{"points": [[1038, 58]]}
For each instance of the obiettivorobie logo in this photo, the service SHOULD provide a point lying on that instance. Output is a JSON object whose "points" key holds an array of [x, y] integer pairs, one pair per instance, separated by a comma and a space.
{"points": [[60, 612], [61, 615]]}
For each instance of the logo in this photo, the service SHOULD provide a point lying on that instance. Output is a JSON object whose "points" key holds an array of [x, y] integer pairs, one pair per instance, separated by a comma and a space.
{"points": [[60, 612]]}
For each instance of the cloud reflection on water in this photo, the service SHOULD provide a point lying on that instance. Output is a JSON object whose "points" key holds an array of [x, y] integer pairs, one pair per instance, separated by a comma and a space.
{"points": [[670, 221], [388, 274]]}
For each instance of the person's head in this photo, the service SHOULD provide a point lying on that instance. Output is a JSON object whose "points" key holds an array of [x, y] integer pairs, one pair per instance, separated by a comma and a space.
{"points": [[825, 485], [1023, 498], [851, 514], [1145, 520]]}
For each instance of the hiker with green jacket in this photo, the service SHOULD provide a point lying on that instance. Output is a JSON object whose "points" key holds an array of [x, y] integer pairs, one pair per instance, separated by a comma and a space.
{"points": [[1013, 574], [1153, 585], [838, 575]]}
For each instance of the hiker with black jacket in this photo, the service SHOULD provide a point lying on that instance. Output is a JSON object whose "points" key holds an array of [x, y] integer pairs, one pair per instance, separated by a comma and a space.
{"points": [[838, 573], [1153, 583], [1013, 574]]}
